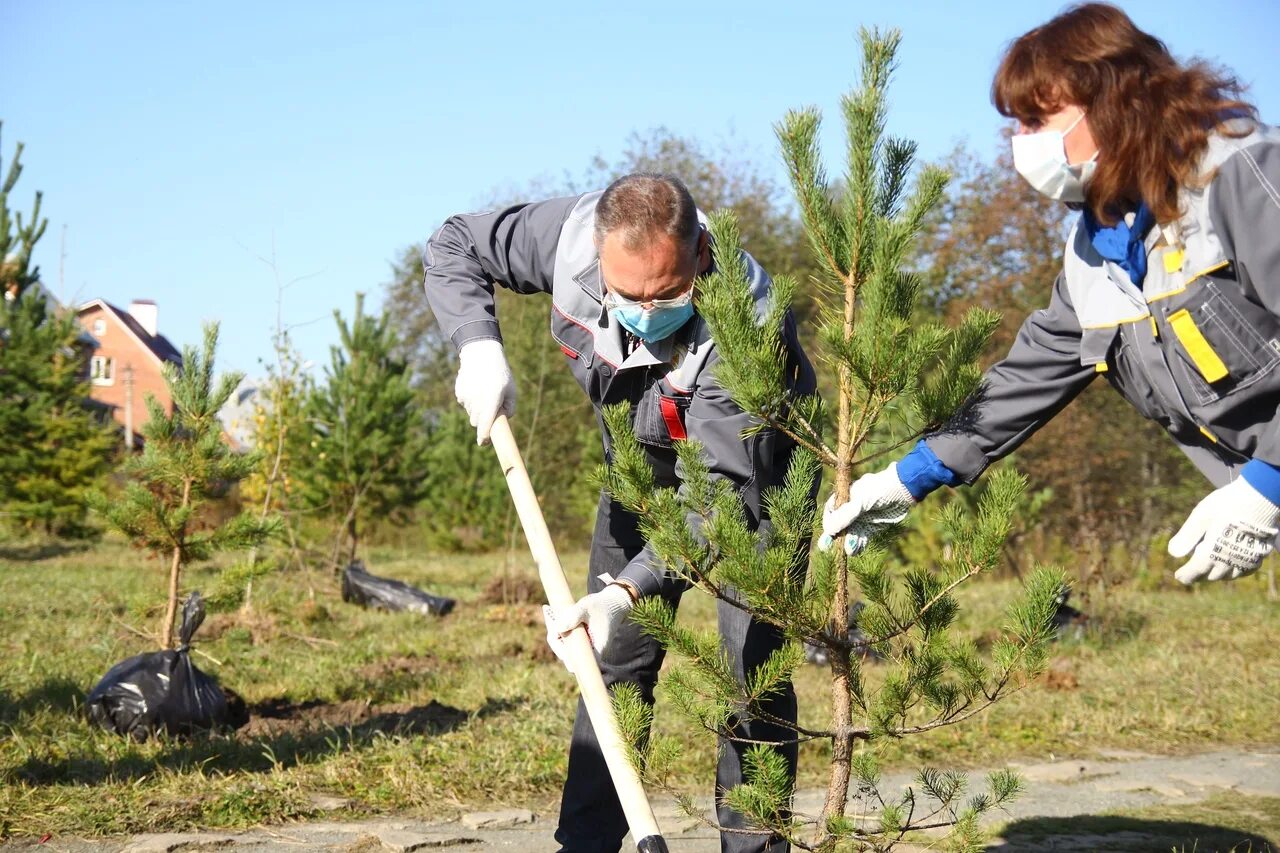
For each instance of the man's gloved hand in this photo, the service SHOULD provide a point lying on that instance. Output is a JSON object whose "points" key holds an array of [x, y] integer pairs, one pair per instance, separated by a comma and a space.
{"points": [[485, 387], [1227, 535], [601, 612], [874, 500]]}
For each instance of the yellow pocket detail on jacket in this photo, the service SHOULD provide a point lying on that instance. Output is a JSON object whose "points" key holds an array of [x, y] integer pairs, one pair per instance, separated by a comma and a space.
{"points": [[1173, 260], [1193, 341]]}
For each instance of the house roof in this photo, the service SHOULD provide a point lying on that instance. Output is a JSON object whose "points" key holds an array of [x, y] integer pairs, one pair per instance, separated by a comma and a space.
{"points": [[158, 345]]}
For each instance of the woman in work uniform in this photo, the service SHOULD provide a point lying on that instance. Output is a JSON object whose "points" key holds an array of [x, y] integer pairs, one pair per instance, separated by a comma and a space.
{"points": [[1170, 286]]}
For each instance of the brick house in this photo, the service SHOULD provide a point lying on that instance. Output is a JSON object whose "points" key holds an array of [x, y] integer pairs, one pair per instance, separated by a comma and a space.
{"points": [[126, 364]]}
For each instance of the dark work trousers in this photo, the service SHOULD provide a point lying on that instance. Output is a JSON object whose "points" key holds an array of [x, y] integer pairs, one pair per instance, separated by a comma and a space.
{"points": [[591, 818]]}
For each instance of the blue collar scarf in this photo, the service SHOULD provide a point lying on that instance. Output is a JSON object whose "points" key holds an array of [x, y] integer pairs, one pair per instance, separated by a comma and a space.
{"points": [[1122, 243]]}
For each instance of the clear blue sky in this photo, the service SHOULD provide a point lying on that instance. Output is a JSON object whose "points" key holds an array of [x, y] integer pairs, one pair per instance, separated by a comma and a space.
{"points": [[177, 141]]}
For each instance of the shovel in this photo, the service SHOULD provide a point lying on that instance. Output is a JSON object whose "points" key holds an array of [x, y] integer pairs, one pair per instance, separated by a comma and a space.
{"points": [[577, 646]]}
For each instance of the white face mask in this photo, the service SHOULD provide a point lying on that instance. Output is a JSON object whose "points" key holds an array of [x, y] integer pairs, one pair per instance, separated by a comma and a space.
{"points": [[1041, 158]]}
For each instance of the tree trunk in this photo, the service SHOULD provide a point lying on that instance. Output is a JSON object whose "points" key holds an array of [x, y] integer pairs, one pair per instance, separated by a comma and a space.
{"points": [[841, 678], [841, 705], [175, 569]]}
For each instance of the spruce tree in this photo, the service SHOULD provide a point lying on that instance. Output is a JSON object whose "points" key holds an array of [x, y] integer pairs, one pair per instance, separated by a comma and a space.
{"points": [[56, 448], [463, 508], [367, 452], [184, 464], [896, 378]]}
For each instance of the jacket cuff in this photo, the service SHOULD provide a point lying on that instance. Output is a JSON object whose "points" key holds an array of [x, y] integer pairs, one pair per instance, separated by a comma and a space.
{"points": [[476, 330], [641, 574], [922, 472], [1264, 477], [959, 454]]}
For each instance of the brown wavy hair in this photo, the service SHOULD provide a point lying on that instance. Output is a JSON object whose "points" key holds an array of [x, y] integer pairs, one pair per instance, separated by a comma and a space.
{"points": [[1150, 115]]}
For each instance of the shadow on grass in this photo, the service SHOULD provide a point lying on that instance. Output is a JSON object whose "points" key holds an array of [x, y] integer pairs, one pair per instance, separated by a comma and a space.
{"points": [[260, 750], [56, 694], [32, 552], [1126, 835]]}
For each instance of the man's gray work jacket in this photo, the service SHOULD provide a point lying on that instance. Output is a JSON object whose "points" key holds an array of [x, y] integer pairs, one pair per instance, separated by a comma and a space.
{"points": [[1195, 348], [548, 247]]}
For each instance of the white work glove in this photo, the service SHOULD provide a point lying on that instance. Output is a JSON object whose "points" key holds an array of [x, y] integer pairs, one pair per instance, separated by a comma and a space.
{"points": [[1227, 535], [601, 612], [485, 387], [874, 501]]}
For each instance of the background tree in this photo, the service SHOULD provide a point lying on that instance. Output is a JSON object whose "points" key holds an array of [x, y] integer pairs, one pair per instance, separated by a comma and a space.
{"points": [[17, 239], [891, 368], [57, 449], [366, 457], [280, 435], [185, 464]]}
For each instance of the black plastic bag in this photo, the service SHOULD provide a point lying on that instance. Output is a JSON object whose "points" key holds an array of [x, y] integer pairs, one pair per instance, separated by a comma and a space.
{"points": [[164, 691], [360, 587], [1068, 623]]}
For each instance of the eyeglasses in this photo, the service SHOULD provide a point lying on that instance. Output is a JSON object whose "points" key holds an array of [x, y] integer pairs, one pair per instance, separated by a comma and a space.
{"points": [[612, 299]]}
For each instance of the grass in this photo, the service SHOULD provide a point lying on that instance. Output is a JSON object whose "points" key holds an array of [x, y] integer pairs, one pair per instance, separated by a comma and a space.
{"points": [[470, 711]]}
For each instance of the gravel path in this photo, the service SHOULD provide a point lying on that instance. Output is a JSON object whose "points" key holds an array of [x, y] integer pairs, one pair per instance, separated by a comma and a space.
{"points": [[1060, 789]]}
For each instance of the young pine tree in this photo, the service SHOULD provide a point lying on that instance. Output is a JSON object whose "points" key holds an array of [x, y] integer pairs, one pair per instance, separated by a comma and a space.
{"points": [[896, 379], [17, 239], [56, 449], [368, 445], [184, 464]]}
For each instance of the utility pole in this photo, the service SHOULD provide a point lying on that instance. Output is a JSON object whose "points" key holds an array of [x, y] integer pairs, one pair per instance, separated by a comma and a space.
{"points": [[128, 407]]}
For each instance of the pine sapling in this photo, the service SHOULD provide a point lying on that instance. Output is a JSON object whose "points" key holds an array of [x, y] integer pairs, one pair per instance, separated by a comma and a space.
{"points": [[184, 464], [897, 378]]}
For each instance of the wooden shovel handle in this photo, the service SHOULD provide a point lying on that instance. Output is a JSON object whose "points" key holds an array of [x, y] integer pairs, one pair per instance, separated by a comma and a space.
{"points": [[577, 645]]}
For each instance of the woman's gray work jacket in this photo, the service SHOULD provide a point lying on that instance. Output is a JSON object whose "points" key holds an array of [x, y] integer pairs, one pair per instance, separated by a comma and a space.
{"points": [[1195, 348]]}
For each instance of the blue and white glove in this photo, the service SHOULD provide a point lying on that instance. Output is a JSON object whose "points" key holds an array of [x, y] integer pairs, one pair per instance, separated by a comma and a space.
{"points": [[875, 500], [1227, 535], [886, 497]]}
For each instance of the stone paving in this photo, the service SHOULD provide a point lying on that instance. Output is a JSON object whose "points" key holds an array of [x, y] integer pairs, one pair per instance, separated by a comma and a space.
{"points": [[1057, 789]]}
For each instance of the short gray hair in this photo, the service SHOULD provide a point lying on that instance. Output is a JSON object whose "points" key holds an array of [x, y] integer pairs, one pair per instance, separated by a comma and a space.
{"points": [[644, 204]]}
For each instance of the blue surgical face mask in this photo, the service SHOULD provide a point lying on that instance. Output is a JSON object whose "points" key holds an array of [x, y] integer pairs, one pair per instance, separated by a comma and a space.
{"points": [[652, 324]]}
